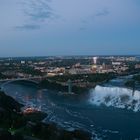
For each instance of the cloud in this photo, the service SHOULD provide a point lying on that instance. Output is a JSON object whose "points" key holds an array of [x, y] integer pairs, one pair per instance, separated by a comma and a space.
{"points": [[27, 27], [37, 9], [104, 12], [35, 12], [90, 19]]}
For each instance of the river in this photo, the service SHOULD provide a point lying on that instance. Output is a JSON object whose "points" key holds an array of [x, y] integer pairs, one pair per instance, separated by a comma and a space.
{"points": [[109, 112]]}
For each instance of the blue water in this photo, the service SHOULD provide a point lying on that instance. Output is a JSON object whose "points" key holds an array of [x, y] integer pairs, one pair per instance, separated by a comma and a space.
{"points": [[109, 112]]}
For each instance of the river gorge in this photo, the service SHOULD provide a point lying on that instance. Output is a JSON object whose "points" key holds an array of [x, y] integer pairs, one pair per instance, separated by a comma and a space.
{"points": [[109, 111]]}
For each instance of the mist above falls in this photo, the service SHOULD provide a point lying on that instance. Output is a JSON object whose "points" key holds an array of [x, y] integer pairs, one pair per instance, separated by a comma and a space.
{"points": [[117, 97]]}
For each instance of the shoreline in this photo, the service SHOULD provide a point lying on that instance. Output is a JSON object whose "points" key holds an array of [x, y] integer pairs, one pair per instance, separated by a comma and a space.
{"points": [[32, 121]]}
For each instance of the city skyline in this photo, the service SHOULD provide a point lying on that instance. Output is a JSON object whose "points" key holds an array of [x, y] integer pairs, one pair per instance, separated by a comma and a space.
{"points": [[49, 27]]}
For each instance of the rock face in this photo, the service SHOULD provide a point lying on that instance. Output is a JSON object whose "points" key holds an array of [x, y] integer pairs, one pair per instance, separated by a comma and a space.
{"points": [[9, 103], [51, 132], [9, 111], [15, 125], [10, 117], [5, 135]]}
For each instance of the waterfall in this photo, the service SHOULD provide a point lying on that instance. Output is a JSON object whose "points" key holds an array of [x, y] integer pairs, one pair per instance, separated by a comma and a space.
{"points": [[115, 97]]}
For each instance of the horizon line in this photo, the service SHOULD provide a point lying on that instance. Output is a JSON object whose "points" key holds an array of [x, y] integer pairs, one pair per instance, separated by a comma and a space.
{"points": [[83, 55]]}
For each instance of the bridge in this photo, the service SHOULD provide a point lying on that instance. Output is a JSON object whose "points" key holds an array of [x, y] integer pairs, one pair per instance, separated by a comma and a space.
{"points": [[35, 80]]}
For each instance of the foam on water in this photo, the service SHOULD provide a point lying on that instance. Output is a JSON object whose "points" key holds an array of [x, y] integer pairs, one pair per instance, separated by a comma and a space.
{"points": [[115, 97]]}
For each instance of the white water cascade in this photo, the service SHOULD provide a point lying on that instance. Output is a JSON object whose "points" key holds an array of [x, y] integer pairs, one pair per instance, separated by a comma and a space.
{"points": [[115, 97]]}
